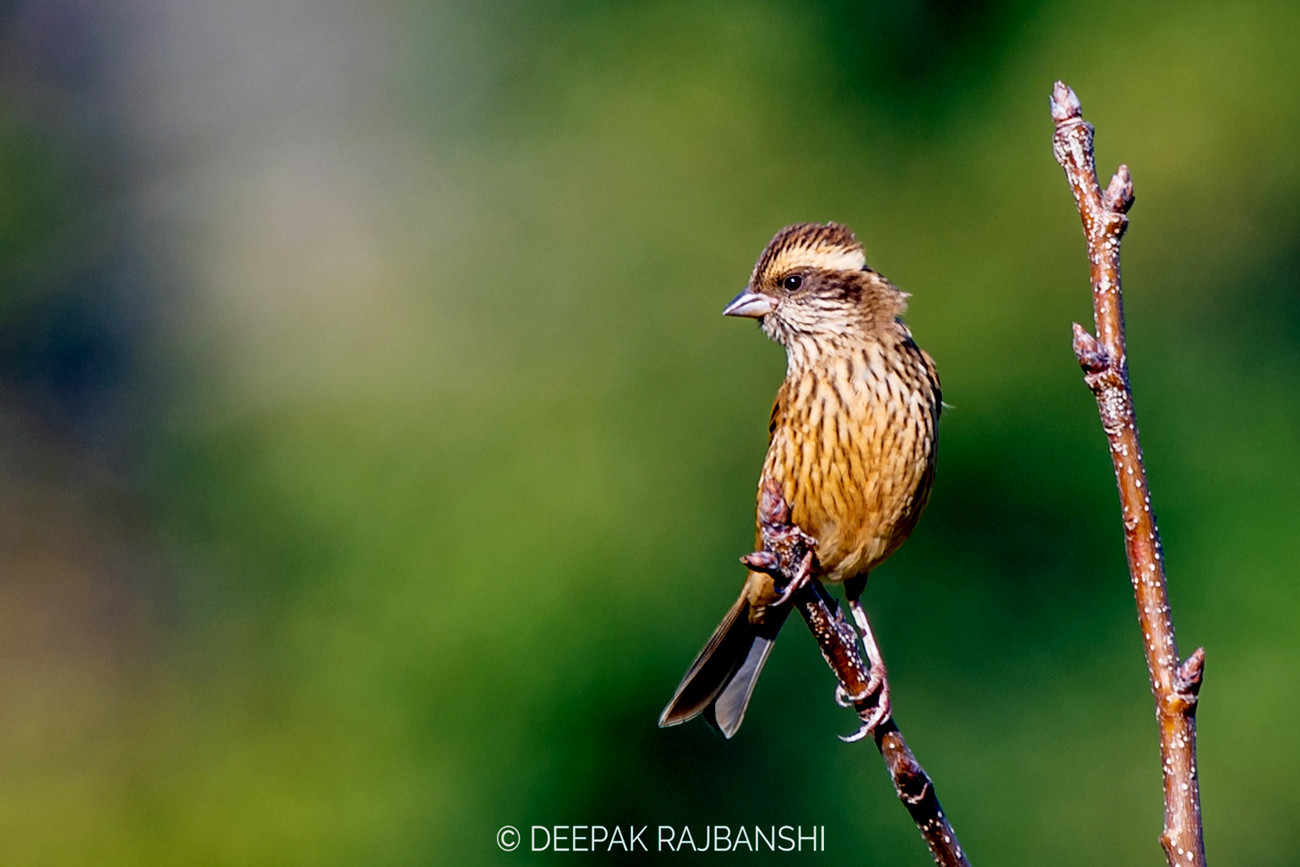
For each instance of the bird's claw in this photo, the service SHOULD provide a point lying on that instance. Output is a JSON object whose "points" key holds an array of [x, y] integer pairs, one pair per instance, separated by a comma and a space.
{"points": [[879, 714], [880, 709], [862, 732], [800, 581], [769, 563]]}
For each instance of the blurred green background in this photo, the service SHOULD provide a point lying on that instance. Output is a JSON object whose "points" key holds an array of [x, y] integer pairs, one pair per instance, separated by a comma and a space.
{"points": [[374, 458]]}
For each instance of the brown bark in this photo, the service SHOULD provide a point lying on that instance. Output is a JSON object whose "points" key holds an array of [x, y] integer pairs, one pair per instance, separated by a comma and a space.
{"points": [[785, 555], [1174, 684]]}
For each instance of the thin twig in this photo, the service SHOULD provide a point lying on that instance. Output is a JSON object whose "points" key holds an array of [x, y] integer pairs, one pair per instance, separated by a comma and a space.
{"points": [[1174, 684], [785, 554]]}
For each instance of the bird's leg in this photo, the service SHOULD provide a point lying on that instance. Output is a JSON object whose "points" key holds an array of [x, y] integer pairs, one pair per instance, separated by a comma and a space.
{"points": [[877, 680]]}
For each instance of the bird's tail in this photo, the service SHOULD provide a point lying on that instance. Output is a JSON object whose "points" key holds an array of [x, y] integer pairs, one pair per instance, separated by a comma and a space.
{"points": [[721, 679]]}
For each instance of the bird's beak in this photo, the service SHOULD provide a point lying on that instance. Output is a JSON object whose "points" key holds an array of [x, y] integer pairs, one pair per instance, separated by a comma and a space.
{"points": [[749, 304]]}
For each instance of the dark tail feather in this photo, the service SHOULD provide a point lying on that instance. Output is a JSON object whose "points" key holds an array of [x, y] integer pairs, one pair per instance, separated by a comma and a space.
{"points": [[721, 680]]}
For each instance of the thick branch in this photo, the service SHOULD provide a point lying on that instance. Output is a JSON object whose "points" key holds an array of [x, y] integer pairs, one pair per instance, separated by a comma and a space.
{"points": [[786, 554], [1175, 685]]}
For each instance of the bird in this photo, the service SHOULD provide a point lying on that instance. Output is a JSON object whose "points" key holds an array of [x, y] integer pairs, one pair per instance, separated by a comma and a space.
{"points": [[852, 448]]}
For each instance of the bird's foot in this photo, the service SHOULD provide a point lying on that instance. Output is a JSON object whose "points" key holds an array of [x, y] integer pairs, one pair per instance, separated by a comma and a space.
{"points": [[872, 714], [877, 680], [769, 563], [801, 579]]}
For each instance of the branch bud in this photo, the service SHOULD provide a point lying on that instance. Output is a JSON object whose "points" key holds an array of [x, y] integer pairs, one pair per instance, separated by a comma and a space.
{"points": [[772, 507], [1092, 358], [1065, 104], [1119, 193]]}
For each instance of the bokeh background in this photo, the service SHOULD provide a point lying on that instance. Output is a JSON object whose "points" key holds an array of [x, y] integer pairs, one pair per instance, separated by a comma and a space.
{"points": [[374, 458]]}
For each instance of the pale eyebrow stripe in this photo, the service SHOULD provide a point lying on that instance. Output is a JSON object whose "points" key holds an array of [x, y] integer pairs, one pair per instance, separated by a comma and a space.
{"points": [[829, 258]]}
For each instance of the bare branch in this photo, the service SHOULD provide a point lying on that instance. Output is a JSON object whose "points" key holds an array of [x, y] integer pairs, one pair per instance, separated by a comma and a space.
{"points": [[1175, 685], [786, 554]]}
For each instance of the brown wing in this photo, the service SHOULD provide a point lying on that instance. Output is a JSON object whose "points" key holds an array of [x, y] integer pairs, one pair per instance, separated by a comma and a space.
{"points": [[778, 409]]}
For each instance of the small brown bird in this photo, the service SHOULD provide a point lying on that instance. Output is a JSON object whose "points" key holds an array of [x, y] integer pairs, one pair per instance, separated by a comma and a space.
{"points": [[852, 446]]}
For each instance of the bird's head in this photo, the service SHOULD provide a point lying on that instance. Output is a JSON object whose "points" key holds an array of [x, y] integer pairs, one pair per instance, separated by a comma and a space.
{"points": [[812, 285]]}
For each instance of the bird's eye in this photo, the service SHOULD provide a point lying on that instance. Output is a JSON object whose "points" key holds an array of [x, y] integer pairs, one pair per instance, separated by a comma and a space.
{"points": [[791, 283]]}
